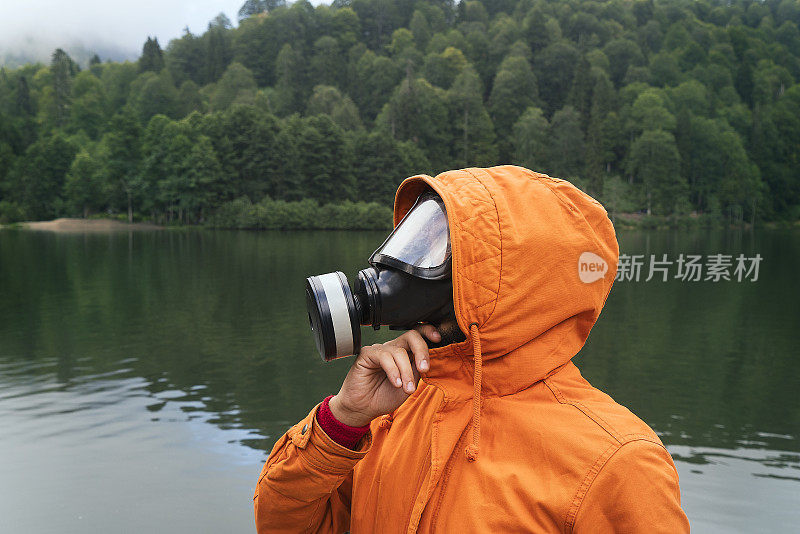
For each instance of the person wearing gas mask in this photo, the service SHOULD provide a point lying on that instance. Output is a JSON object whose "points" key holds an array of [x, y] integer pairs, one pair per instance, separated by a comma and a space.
{"points": [[475, 419]]}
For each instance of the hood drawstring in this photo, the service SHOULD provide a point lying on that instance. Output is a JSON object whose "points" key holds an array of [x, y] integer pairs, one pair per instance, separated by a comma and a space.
{"points": [[472, 449]]}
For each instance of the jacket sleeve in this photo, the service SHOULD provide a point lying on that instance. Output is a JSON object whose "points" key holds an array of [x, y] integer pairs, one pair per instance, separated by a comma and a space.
{"points": [[306, 483], [636, 490]]}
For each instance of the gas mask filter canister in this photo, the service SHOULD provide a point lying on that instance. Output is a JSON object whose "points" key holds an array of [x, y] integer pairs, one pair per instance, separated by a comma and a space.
{"points": [[408, 282]]}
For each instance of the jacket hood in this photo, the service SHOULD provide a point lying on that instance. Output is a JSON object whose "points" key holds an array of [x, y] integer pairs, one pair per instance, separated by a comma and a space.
{"points": [[528, 253]]}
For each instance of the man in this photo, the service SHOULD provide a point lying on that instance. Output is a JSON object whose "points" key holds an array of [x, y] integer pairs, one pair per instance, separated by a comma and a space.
{"points": [[501, 434]]}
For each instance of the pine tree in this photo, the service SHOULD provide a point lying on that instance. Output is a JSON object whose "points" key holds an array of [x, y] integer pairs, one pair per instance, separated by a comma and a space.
{"points": [[81, 188], [95, 65], [530, 140], [514, 90], [218, 48], [472, 126], [250, 8], [598, 144], [655, 162], [580, 96], [291, 87], [63, 69], [24, 103], [565, 151], [152, 58]]}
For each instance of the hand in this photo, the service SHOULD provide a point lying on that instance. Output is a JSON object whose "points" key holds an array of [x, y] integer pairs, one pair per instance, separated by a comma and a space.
{"points": [[382, 377]]}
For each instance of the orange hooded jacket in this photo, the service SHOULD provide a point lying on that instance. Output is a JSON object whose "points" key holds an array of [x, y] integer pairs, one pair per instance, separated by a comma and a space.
{"points": [[502, 434]]}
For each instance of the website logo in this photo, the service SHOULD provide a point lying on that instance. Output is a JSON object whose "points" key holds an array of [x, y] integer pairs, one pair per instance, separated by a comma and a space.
{"points": [[591, 267]]}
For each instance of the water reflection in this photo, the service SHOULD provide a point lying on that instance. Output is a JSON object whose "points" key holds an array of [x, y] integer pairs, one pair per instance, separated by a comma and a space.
{"points": [[167, 363]]}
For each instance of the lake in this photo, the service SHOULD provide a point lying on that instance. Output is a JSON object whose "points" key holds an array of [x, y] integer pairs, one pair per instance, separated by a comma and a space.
{"points": [[144, 376]]}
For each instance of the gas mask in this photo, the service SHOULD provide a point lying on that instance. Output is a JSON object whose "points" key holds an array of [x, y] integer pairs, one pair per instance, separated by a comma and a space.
{"points": [[408, 282]]}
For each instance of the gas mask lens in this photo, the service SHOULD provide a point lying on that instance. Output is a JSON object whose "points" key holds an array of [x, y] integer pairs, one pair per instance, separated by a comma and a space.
{"points": [[420, 245], [408, 282]]}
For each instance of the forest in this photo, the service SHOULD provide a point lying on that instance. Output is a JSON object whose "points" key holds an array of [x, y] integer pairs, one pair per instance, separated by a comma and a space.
{"points": [[309, 117]]}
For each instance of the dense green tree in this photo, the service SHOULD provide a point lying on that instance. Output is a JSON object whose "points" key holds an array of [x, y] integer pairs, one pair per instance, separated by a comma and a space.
{"points": [[382, 162], [120, 155], [664, 70], [89, 108], [554, 69], [442, 68], [690, 96], [63, 69], [655, 163], [117, 79], [153, 94], [580, 95], [326, 166], [420, 29], [622, 53], [185, 58], [152, 58], [616, 196], [154, 156], [250, 8], [535, 29], [6, 164], [777, 150], [327, 100], [37, 179], [23, 100], [290, 89], [477, 53], [328, 63], [23, 131], [601, 133], [473, 128], [236, 85], [504, 32], [418, 112], [189, 98], [219, 49], [770, 81], [473, 11], [531, 140], [380, 76], [404, 51], [191, 172], [715, 163], [649, 112], [83, 190], [565, 151], [246, 141], [513, 91]]}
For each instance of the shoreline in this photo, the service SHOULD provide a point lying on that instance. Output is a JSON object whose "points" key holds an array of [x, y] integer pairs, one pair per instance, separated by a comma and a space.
{"points": [[621, 221], [70, 225]]}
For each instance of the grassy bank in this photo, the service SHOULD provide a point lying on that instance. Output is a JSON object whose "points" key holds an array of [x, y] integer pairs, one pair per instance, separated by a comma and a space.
{"points": [[306, 214], [692, 221]]}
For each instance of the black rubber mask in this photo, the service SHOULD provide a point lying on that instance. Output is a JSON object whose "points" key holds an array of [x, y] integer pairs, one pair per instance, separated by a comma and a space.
{"points": [[408, 282]]}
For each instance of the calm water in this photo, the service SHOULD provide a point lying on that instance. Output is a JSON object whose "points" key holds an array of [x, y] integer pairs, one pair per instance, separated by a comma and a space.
{"points": [[144, 376]]}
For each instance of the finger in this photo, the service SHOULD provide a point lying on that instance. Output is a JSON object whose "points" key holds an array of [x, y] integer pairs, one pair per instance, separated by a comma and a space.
{"points": [[403, 362], [429, 331], [369, 357], [418, 348], [388, 363]]}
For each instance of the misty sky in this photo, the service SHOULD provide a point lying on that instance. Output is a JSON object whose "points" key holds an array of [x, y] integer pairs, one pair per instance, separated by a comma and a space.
{"points": [[123, 25]]}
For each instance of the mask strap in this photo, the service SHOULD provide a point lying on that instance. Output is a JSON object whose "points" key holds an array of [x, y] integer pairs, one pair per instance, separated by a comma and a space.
{"points": [[472, 449]]}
